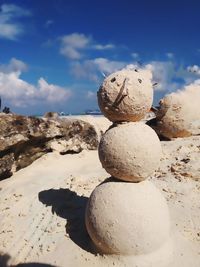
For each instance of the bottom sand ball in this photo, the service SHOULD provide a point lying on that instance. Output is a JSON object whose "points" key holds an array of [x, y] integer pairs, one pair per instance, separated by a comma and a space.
{"points": [[127, 218], [130, 151]]}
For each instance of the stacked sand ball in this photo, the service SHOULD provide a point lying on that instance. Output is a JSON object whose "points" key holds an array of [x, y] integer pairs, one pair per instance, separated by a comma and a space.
{"points": [[127, 214]]}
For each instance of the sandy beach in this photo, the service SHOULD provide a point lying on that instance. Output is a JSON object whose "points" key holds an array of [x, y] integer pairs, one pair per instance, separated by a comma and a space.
{"points": [[99, 133], [42, 209]]}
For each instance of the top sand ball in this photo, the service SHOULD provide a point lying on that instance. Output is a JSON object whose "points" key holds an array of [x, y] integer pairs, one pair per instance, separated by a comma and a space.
{"points": [[126, 95]]}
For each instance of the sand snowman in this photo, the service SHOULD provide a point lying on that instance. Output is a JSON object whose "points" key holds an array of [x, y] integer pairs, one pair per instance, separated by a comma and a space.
{"points": [[127, 214]]}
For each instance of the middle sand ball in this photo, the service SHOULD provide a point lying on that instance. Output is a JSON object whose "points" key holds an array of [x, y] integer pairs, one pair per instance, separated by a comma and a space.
{"points": [[130, 151]]}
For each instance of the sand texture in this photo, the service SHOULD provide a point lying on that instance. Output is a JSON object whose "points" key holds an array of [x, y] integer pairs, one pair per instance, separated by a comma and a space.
{"points": [[130, 151], [127, 218], [42, 210], [176, 116]]}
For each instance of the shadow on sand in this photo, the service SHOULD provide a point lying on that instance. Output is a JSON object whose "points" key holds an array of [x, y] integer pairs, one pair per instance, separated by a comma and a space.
{"points": [[70, 206], [4, 258]]}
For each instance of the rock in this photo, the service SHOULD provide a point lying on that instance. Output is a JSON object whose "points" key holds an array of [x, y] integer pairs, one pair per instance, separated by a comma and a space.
{"points": [[6, 163], [100, 123], [24, 139], [130, 151], [187, 166], [126, 95], [51, 115], [127, 218]]}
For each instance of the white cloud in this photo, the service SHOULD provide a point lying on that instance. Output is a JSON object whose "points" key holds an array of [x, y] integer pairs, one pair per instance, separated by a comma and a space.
{"points": [[74, 45], [14, 65], [194, 69], [104, 47], [10, 28], [108, 66], [20, 93], [163, 74], [95, 68], [52, 93], [11, 10], [170, 77], [10, 31], [76, 40], [84, 70], [166, 75]]}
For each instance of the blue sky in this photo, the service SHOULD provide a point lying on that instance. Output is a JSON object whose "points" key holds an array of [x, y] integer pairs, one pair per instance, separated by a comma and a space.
{"points": [[53, 53]]}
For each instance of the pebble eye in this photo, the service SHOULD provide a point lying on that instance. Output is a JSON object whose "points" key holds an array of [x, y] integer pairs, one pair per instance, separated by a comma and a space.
{"points": [[113, 80]]}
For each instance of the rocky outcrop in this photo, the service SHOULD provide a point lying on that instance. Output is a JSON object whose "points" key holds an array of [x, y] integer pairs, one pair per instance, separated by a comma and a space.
{"points": [[51, 115], [24, 139]]}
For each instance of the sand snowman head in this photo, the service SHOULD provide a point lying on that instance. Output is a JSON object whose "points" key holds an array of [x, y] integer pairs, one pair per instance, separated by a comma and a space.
{"points": [[130, 151], [126, 95]]}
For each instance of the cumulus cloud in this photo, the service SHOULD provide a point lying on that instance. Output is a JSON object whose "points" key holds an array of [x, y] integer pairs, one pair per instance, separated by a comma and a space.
{"points": [[20, 93], [163, 74], [74, 45], [84, 70], [10, 27], [10, 10], [95, 69], [167, 76], [170, 76], [15, 65], [108, 66], [52, 93]]}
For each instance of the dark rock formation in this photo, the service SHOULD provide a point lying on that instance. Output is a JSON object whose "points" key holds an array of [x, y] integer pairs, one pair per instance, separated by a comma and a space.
{"points": [[25, 139]]}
